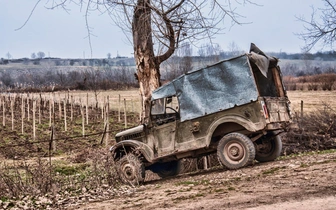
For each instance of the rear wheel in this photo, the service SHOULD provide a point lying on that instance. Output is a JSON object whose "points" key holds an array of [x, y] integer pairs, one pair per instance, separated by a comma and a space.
{"points": [[131, 170], [268, 147], [235, 150]]}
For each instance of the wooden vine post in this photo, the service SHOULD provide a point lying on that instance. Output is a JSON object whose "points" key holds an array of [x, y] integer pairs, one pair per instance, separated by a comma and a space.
{"points": [[103, 109], [22, 114], [39, 109], [65, 116], [83, 117], [34, 119], [53, 123], [119, 104], [28, 113], [125, 115], [50, 109], [12, 111], [3, 112], [87, 108], [60, 106], [71, 109], [107, 121]]}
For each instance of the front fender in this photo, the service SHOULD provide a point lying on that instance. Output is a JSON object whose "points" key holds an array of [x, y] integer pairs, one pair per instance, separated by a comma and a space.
{"points": [[121, 146]]}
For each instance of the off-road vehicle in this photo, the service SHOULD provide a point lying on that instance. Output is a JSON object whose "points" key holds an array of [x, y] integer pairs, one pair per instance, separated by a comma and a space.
{"points": [[236, 107]]}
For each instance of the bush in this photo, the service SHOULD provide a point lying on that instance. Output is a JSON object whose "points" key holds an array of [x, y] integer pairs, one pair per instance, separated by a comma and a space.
{"points": [[316, 131], [51, 182], [313, 86], [327, 81]]}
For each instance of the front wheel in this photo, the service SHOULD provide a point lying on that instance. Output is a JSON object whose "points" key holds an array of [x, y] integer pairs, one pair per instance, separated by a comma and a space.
{"points": [[268, 148], [235, 150], [131, 170]]}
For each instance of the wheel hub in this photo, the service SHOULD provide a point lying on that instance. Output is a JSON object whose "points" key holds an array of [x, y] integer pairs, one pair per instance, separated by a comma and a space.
{"points": [[264, 147], [128, 170], [234, 151]]}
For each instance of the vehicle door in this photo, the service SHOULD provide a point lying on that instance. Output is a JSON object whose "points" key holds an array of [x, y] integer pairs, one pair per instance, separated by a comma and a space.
{"points": [[164, 119]]}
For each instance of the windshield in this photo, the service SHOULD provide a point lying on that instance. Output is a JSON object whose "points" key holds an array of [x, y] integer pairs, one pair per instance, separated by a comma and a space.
{"points": [[158, 106]]}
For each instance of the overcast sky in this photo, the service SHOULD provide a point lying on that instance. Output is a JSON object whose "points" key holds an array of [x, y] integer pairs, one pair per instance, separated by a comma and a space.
{"points": [[59, 34]]}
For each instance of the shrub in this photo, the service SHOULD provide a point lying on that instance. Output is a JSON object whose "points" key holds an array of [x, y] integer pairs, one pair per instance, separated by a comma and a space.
{"points": [[57, 180], [313, 86], [316, 131]]}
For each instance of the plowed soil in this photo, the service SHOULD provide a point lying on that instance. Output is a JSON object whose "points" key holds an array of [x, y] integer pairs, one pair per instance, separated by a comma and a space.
{"points": [[301, 182]]}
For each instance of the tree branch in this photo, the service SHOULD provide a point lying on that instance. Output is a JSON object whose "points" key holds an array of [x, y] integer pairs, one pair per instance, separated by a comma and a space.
{"points": [[31, 13]]}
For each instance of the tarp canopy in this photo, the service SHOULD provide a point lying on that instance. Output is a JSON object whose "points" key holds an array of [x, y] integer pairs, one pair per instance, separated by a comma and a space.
{"points": [[220, 86], [217, 87]]}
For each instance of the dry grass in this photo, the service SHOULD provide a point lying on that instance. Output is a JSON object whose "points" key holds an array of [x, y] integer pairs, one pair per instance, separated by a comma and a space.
{"points": [[312, 100]]}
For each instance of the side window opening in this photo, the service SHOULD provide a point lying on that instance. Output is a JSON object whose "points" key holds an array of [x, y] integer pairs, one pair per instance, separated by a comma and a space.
{"points": [[165, 110], [172, 105]]}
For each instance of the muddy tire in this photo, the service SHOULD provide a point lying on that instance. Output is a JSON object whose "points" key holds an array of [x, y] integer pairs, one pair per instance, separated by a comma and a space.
{"points": [[131, 170], [164, 170], [235, 150], [268, 148]]}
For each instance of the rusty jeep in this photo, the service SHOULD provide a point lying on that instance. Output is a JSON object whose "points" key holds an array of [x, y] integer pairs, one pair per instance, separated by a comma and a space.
{"points": [[236, 108]]}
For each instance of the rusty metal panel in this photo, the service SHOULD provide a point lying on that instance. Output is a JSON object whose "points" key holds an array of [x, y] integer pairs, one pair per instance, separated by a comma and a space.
{"points": [[278, 109], [218, 87], [278, 82]]}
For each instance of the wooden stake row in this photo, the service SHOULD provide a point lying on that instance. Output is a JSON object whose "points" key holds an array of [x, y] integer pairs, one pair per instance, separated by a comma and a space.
{"points": [[40, 104]]}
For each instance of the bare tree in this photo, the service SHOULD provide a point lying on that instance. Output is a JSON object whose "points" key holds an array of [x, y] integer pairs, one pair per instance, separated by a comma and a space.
{"points": [[61, 77], [209, 53], [157, 28], [178, 64], [186, 57], [321, 28], [33, 56], [234, 49], [8, 55], [6, 78], [93, 79], [40, 54]]}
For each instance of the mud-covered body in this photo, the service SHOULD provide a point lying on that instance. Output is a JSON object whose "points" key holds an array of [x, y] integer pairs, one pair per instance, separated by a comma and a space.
{"points": [[191, 114]]}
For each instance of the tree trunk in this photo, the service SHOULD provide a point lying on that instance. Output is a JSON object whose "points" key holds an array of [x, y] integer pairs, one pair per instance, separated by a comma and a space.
{"points": [[148, 73]]}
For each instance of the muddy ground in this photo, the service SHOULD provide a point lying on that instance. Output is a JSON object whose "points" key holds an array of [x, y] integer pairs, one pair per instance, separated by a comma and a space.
{"points": [[300, 182]]}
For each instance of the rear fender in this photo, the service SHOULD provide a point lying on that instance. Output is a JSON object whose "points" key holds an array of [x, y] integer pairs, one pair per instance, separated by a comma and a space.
{"points": [[121, 148], [247, 124]]}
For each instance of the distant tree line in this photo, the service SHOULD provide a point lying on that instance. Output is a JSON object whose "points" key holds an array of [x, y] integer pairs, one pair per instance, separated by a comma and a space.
{"points": [[43, 73], [320, 56], [38, 60], [204, 52], [88, 78]]}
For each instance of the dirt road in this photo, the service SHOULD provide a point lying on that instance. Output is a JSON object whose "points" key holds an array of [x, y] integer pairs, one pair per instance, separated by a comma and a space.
{"points": [[302, 182]]}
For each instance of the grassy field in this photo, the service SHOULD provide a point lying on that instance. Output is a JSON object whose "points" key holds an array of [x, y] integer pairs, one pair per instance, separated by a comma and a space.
{"points": [[312, 100]]}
